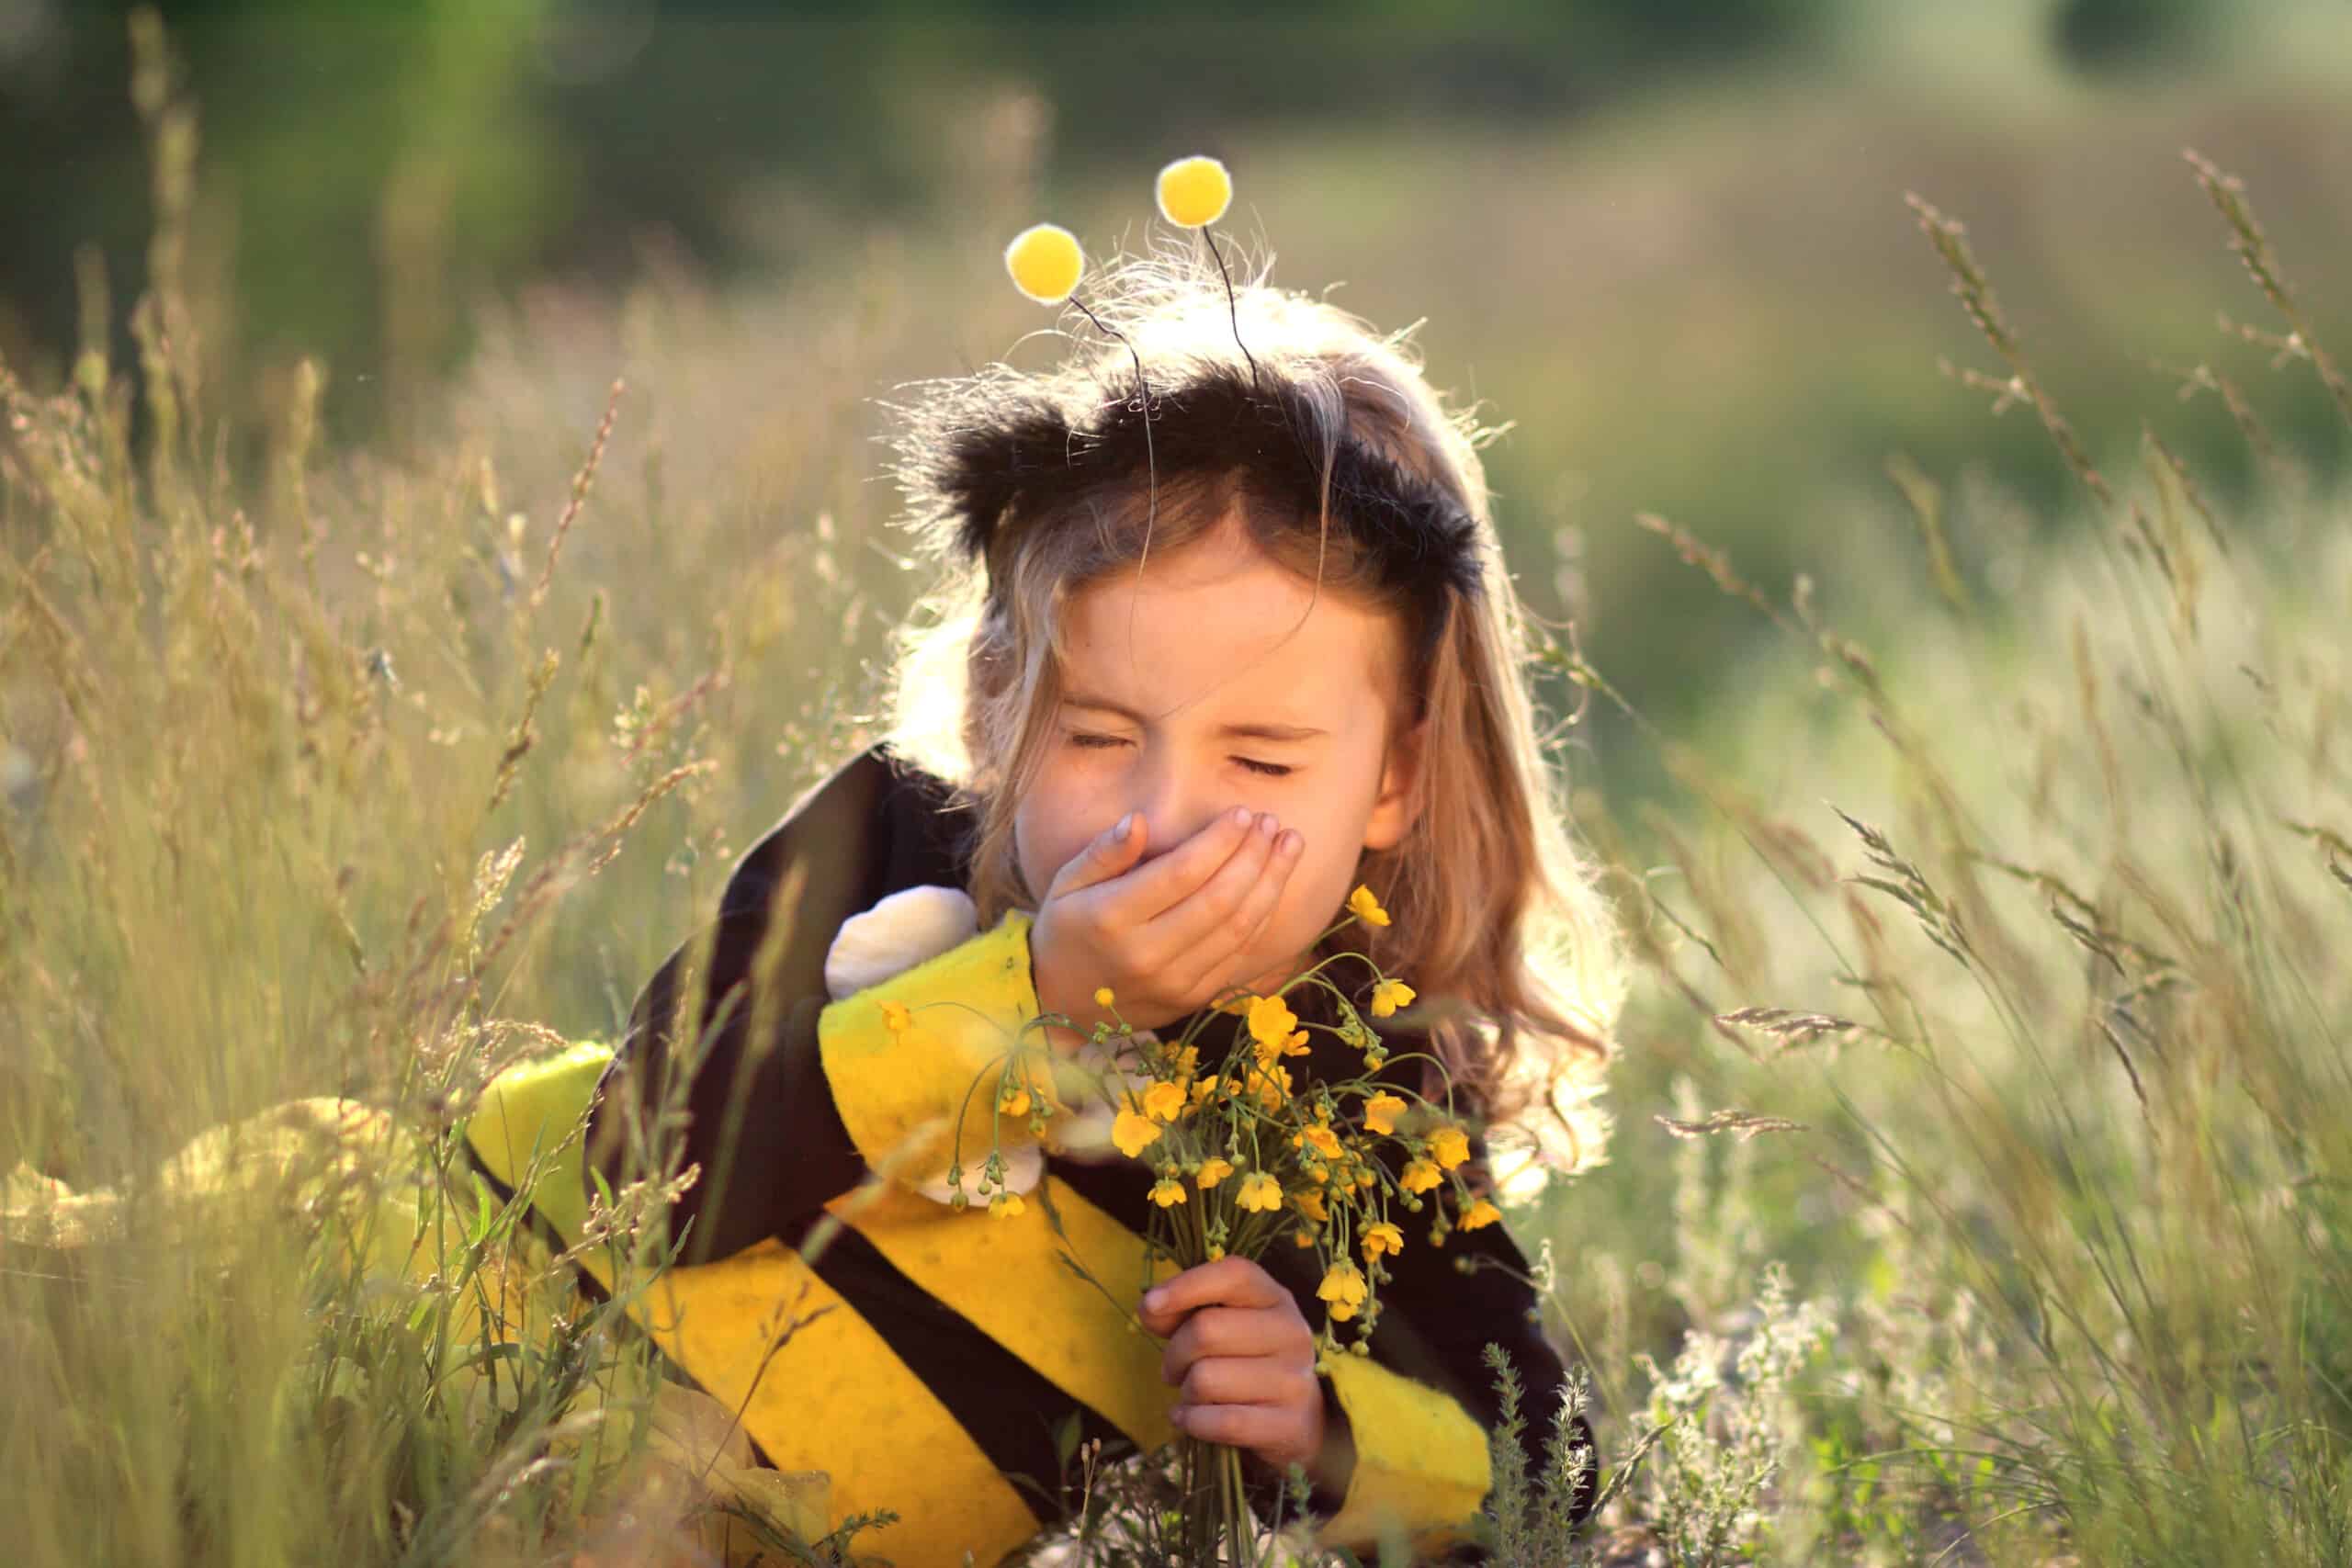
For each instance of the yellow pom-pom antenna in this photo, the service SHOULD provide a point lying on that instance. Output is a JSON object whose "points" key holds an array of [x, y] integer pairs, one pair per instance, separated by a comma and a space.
{"points": [[1045, 262], [1194, 192]]}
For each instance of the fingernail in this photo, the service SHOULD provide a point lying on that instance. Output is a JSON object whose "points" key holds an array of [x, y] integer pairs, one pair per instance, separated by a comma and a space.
{"points": [[1152, 1298], [1267, 825], [1241, 816], [1293, 841], [1176, 1415], [1119, 834]]}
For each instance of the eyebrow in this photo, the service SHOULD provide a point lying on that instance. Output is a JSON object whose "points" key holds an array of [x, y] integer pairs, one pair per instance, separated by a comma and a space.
{"points": [[1227, 731]]}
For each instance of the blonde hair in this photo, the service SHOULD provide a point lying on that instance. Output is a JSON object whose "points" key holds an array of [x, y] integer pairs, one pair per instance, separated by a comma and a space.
{"points": [[1494, 908]]}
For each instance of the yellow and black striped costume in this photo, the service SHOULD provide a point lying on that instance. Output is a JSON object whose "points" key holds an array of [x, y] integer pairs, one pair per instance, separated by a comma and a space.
{"points": [[956, 1343]]}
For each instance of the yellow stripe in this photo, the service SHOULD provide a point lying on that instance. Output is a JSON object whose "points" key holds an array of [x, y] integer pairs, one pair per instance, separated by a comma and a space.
{"points": [[836, 1398], [901, 1093], [1003, 1275], [1421, 1459]]}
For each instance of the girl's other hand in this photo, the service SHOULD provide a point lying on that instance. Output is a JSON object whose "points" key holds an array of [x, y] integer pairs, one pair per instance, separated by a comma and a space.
{"points": [[1167, 934], [1245, 1359]]}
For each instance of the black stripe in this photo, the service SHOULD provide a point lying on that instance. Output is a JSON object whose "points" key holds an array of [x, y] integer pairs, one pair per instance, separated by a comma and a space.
{"points": [[1006, 1406]]}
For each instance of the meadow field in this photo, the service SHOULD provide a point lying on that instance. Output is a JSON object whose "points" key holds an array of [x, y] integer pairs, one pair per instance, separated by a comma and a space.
{"points": [[1954, 671]]}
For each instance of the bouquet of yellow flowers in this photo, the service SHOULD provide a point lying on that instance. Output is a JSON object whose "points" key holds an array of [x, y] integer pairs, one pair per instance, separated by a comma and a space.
{"points": [[1247, 1159]]}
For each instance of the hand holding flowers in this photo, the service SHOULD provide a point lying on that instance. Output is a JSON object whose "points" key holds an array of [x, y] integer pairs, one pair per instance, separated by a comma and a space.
{"points": [[1244, 1157]]}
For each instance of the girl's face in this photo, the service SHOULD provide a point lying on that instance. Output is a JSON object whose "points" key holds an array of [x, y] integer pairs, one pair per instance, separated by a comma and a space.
{"points": [[1212, 683]]}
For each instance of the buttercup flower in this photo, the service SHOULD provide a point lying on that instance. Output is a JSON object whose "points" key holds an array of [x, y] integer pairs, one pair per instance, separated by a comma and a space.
{"points": [[1164, 1100], [1380, 1112], [1479, 1214], [1276, 1029], [1344, 1287], [1214, 1169], [895, 1017], [1013, 1101], [1379, 1237], [1004, 1205], [1321, 1139], [1194, 192], [1045, 262], [1259, 1191], [1365, 907], [1421, 1176], [1310, 1203], [1390, 995], [1167, 1192], [1103, 996], [1450, 1145], [1133, 1132]]}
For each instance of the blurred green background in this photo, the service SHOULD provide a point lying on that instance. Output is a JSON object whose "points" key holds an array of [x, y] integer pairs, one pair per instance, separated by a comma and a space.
{"points": [[1665, 237]]}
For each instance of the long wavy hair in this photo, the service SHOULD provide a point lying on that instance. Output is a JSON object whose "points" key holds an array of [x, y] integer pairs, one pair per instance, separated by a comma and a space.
{"points": [[1497, 918]]}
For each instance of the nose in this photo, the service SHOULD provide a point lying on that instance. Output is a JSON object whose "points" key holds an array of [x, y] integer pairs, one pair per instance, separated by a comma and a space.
{"points": [[1173, 805]]}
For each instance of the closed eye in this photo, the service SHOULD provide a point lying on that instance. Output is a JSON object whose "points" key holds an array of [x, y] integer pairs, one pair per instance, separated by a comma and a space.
{"points": [[1089, 741]]}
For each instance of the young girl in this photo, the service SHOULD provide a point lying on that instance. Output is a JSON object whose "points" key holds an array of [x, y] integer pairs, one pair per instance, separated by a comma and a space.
{"points": [[1201, 665]]}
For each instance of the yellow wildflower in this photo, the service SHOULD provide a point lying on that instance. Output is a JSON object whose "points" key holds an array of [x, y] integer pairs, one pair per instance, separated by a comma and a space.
{"points": [[1302, 1238], [1421, 1176], [1324, 1141], [1193, 192], [1104, 997], [1365, 907], [1380, 1112], [1164, 1100], [1344, 1287], [1380, 1237], [1167, 1192], [1214, 1169], [895, 1017], [1272, 1083], [1015, 1100], [1004, 1205], [1479, 1214], [1133, 1133], [1309, 1202], [1045, 262], [1450, 1145], [1259, 1191], [1276, 1029], [1390, 995]]}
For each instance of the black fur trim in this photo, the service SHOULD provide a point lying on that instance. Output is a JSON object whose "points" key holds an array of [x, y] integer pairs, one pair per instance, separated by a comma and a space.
{"points": [[1024, 458]]}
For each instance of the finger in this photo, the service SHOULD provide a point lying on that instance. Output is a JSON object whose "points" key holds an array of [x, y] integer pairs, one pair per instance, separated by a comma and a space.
{"points": [[1158, 883], [1110, 854], [1233, 1331], [1256, 911], [1204, 916], [1229, 1281], [1248, 1379], [1237, 1425]]}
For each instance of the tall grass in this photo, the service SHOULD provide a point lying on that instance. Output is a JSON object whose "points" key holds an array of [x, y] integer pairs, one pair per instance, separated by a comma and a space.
{"points": [[1994, 1074]]}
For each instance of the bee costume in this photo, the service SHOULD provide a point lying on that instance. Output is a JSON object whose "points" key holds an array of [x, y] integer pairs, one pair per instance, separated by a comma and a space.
{"points": [[956, 1344]]}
